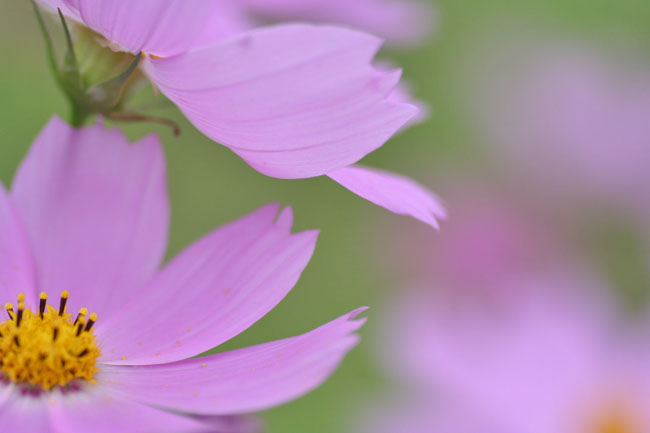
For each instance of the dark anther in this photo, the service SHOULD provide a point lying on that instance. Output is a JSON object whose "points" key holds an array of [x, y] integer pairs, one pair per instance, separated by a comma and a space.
{"points": [[55, 334], [19, 317], [83, 353], [89, 325], [41, 307], [64, 300], [16, 340], [80, 328], [77, 319]]}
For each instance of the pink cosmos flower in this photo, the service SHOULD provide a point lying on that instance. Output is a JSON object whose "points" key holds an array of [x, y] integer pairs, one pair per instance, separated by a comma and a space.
{"points": [[543, 359], [293, 101], [88, 217], [507, 332]]}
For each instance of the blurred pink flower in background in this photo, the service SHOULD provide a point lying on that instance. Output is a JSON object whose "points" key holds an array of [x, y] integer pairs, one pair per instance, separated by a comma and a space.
{"points": [[513, 324], [570, 122], [293, 101], [540, 360], [88, 213], [507, 332]]}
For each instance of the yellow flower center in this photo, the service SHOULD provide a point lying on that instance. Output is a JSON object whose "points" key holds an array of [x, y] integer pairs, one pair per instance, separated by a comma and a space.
{"points": [[616, 415], [617, 422], [47, 349]]}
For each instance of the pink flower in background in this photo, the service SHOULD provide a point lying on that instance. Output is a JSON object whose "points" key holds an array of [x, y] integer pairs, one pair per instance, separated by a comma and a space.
{"points": [[507, 332], [546, 358], [88, 217], [293, 101], [571, 122]]}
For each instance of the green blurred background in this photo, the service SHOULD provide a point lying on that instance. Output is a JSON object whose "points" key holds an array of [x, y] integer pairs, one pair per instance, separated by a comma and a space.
{"points": [[209, 185]]}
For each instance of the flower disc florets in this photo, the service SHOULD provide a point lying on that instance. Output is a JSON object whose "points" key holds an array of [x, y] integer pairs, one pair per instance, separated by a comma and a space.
{"points": [[47, 349]]}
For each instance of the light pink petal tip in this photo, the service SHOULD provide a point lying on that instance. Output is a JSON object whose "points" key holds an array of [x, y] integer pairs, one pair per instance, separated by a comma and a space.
{"points": [[16, 266], [162, 28], [211, 292], [403, 94], [244, 380], [393, 192], [293, 101], [96, 212]]}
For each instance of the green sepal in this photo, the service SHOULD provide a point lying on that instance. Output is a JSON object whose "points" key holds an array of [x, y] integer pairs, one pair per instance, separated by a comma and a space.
{"points": [[70, 71], [103, 97], [49, 47], [77, 79]]}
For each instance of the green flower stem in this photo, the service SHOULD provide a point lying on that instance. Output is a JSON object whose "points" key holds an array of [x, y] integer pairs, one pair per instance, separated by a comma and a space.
{"points": [[77, 116]]}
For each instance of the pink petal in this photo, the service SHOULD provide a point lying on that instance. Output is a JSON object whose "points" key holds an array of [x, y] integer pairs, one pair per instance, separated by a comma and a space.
{"points": [[522, 361], [401, 21], [214, 290], [245, 380], [402, 94], [95, 410], [228, 19], [16, 266], [293, 101], [393, 192], [162, 28], [232, 423], [96, 212], [22, 414], [6, 392]]}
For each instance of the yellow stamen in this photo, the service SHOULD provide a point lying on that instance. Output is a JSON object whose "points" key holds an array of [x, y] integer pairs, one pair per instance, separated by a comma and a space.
{"points": [[46, 349]]}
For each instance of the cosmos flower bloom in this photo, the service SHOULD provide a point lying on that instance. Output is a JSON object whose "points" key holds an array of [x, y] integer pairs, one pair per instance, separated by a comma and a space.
{"points": [[293, 101], [516, 336], [547, 358], [87, 219]]}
